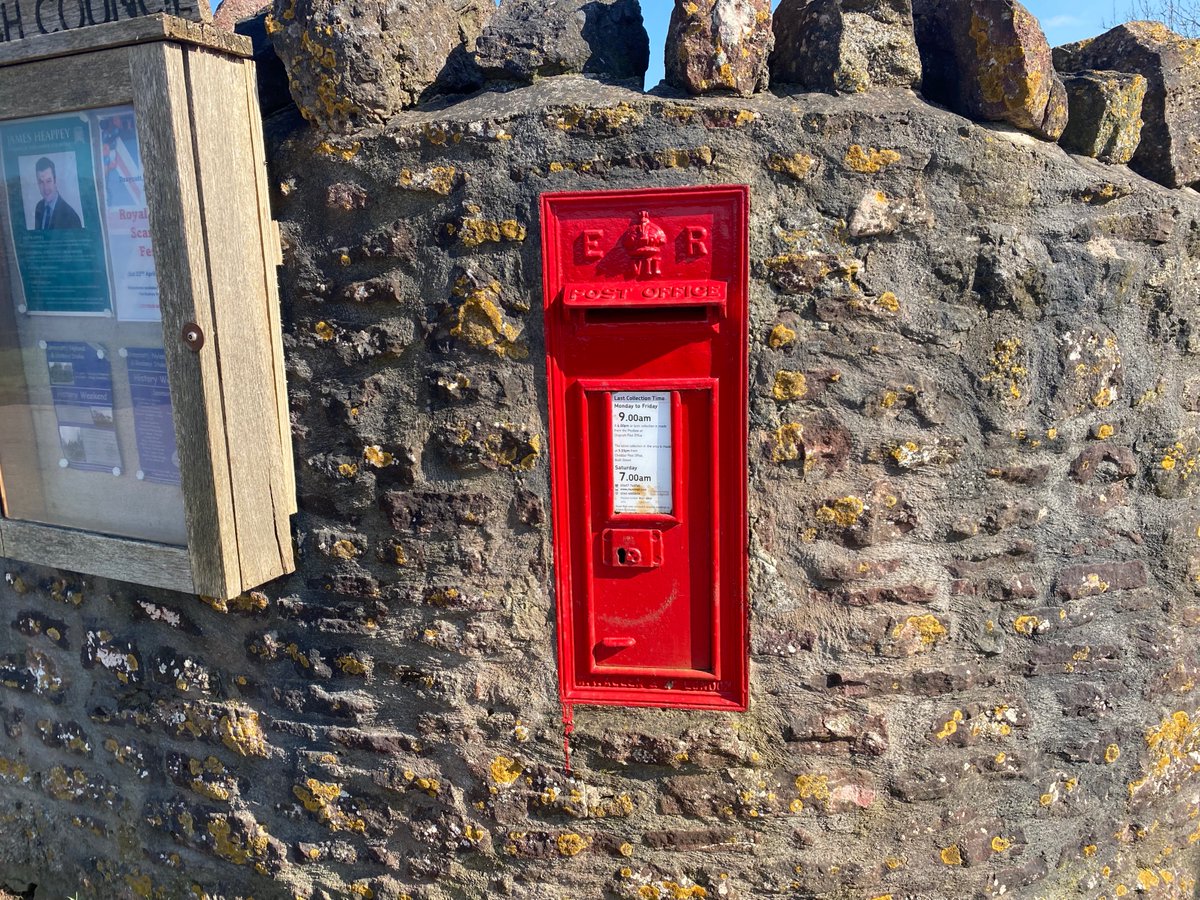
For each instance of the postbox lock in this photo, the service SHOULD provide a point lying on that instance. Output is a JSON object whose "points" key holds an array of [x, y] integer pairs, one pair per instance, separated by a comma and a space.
{"points": [[633, 548]]}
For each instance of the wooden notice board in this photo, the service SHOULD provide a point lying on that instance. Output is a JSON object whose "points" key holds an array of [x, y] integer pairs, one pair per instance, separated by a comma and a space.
{"points": [[144, 430]]}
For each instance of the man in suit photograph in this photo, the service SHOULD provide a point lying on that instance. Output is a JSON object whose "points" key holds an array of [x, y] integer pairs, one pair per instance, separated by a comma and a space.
{"points": [[53, 213]]}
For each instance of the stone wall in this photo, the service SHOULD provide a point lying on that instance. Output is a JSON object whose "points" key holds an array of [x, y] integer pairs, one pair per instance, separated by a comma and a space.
{"points": [[975, 549]]}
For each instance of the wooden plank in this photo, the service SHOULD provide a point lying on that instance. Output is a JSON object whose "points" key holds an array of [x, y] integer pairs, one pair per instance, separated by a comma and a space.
{"points": [[229, 201], [273, 254], [147, 29], [177, 226], [137, 562], [46, 86]]}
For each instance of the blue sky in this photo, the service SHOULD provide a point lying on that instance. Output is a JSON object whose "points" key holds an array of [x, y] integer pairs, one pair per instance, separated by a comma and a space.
{"points": [[1062, 20]]}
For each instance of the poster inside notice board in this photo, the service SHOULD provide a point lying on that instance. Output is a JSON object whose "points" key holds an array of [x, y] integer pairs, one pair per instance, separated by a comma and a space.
{"points": [[81, 386], [150, 390], [80, 226]]}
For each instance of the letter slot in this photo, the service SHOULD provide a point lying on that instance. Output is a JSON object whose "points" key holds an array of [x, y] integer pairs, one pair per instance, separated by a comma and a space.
{"points": [[646, 337]]}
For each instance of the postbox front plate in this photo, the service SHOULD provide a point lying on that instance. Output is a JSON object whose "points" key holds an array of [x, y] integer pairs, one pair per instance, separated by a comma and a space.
{"points": [[646, 335]]}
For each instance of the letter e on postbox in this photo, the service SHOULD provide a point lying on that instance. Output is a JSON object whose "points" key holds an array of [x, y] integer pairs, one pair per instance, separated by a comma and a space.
{"points": [[646, 348]]}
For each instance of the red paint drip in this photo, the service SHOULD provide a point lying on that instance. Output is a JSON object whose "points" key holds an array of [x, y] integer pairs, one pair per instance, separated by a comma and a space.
{"points": [[568, 728]]}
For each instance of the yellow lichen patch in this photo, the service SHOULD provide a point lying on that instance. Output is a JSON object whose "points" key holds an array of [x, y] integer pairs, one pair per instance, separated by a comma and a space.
{"points": [[571, 844], [868, 162], [238, 849], [325, 148], [324, 331], [347, 470], [506, 770], [1180, 461], [352, 665], [951, 855], [1173, 746], [781, 336], [887, 300], [1112, 753], [843, 512], [813, 787], [250, 602], [1008, 368], [1001, 844], [790, 386], [928, 627], [677, 891], [343, 549], [787, 445], [510, 453], [951, 725], [322, 798], [609, 119], [378, 457], [207, 780], [1027, 625], [476, 232], [481, 323], [798, 165], [908, 455], [438, 179], [241, 733], [1104, 432]]}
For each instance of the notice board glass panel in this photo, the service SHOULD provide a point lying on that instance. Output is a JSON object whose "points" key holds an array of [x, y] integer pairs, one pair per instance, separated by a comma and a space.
{"points": [[87, 436]]}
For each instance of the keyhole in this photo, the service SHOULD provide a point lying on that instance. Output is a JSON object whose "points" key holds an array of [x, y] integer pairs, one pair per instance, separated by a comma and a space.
{"points": [[620, 556]]}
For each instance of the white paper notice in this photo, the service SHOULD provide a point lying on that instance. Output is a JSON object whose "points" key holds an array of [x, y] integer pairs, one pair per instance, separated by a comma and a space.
{"points": [[641, 441]]}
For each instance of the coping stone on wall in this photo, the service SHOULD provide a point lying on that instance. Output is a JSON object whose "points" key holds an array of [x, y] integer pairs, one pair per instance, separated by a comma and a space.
{"points": [[989, 60], [1168, 152], [1105, 120], [847, 46], [719, 46], [359, 62], [529, 39]]}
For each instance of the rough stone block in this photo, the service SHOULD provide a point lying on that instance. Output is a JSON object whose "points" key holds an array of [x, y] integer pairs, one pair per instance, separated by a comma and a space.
{"points": [[352, 63], [1105, 117], [231, 12], [1094, 578], [1168, 152], [989, 60], [528, 39], [716, 46], [847, 46]]}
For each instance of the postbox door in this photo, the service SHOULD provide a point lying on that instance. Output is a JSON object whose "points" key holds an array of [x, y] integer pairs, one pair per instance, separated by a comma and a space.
{"points": [[651, 586], [646, 353]]}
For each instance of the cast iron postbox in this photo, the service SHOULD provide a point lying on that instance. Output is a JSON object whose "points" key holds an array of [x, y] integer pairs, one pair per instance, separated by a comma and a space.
{"points": [[646, 340]]}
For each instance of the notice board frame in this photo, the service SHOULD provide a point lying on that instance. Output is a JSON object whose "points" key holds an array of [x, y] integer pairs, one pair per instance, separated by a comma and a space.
{"points": [[193, 91]]}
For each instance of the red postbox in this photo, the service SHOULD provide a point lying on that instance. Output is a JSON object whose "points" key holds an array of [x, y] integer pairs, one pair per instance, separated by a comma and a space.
{"points": [[646, 345]]}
